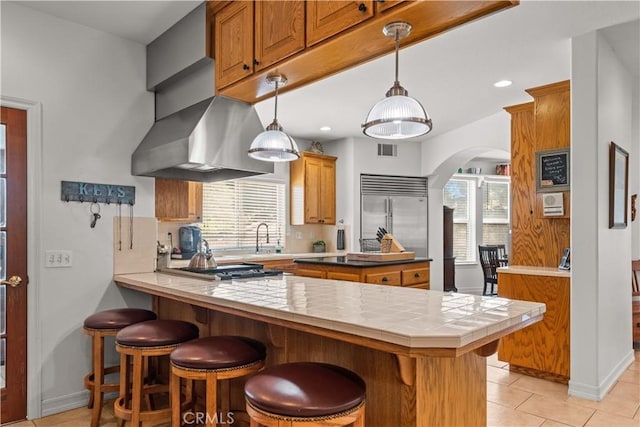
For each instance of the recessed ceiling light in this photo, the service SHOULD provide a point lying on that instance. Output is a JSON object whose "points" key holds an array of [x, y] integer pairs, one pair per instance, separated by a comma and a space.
{"points": [[325, 128], [503, 83]]}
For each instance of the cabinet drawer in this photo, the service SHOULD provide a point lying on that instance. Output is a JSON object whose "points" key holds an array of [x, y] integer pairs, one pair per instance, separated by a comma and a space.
{"points": [[414, 276], [391, 278], [420, 286], [349, 277], [311, 273]]}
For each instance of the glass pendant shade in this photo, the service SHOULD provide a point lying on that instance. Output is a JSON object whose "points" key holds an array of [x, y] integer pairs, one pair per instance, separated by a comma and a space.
{"points": [[273, 145], [397, 117]]}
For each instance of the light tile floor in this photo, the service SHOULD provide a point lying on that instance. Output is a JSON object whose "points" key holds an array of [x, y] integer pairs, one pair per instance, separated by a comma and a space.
{"points": [[513, 400]]}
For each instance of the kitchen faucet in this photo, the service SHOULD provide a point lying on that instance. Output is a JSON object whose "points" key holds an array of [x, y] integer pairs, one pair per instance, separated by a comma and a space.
{"points": [[258, 229]]}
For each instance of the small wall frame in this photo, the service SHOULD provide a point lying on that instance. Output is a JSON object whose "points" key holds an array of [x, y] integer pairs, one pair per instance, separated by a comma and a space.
{"points": [[618, 185], [552, 170]]}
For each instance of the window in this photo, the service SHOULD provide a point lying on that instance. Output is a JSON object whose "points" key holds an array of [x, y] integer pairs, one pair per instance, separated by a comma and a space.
{"points": [[232, 211], [459, 194], [495, 212], [492, 217]]}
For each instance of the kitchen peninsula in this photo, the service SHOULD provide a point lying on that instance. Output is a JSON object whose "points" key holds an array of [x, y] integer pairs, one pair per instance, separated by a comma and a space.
{"points": [[412, 273], [421, 353]]}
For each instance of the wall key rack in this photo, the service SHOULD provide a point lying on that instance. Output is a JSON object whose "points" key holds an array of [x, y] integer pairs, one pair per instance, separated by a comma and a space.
{"points": [[98, 193]]}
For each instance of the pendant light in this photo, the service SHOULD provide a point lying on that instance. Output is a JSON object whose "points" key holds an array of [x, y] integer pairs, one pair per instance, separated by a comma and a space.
{"points": [[273, 145], [397, 116]]}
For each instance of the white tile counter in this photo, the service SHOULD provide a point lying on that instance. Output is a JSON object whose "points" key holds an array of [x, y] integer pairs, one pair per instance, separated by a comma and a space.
{"points": [[422, 354], [407, 317]]}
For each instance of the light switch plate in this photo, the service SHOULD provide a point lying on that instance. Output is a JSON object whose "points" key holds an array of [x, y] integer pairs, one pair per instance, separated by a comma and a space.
{"points": [[58, 259]]}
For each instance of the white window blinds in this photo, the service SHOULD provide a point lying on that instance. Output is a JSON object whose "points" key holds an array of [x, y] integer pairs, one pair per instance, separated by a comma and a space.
{"points": [[232, 210], [459, 194]]}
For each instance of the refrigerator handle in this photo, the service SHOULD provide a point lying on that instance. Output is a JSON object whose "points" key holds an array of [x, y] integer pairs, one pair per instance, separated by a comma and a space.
{"points": [[390, 216]]}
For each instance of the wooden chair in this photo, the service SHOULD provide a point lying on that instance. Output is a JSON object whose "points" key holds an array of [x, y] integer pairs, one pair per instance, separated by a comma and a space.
{"points": [[503, 257], [635, 279], [489, 261]]}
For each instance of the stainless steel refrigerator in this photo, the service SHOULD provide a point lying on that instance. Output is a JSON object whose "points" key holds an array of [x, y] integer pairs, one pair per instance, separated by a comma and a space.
{"points": [[400, 205]]}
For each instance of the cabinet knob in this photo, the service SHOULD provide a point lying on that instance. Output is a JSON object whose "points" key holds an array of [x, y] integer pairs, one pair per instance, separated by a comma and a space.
{"points": [[256, 62], [362, 7], [384, 279], [245, 67], [416, 275]]}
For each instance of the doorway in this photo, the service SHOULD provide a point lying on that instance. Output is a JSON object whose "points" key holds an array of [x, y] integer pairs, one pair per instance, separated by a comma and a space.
{"points": [[13, 264]]}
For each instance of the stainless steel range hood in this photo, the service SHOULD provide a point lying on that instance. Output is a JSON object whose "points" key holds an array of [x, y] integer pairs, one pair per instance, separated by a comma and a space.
{"points": [[196, 137], [207, 141]]}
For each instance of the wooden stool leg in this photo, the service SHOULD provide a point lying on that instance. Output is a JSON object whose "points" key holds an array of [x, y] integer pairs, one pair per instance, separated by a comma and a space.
{"points": [[211, 406], [124, 384], [98, 378], [136, 398], [174, 385], [359, 422]]}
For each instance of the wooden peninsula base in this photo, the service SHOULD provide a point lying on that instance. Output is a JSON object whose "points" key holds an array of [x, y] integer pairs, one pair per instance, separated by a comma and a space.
{"points": [[413, 378]]}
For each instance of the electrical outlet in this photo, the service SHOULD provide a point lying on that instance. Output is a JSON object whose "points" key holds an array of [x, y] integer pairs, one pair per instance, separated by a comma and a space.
{"points": [[58, 259], [298, 235]]}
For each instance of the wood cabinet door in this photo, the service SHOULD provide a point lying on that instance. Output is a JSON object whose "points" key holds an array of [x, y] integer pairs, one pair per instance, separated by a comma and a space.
{"points": [[312, 190], [178, 200], [328, 192], [279, 31], [234, 43], [326, 18]]}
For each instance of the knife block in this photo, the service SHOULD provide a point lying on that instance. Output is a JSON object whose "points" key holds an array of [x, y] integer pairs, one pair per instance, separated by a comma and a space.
{"points": [[390, 244]]}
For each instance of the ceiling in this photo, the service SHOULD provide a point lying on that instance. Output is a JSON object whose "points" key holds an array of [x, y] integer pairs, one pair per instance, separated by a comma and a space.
{"points": [[451, 74]]}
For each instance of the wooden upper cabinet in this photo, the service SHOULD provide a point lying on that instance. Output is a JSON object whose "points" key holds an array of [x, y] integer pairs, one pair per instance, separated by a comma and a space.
{"points": [[279, 31], [252, 36], [327, 18], [178, 200], [313, 189], [307, 41], [234, 42]]}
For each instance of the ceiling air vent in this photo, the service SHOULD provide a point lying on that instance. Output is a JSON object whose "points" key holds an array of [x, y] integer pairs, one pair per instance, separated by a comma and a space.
{"points": [[387, 150]]}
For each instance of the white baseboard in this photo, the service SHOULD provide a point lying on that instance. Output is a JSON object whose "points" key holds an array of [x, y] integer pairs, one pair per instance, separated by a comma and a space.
{"points": [[597, 392], [69, 402], [65, 403]]}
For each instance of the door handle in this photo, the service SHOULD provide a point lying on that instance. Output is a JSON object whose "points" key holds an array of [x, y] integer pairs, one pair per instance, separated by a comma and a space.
{"points": [[13, 281]]}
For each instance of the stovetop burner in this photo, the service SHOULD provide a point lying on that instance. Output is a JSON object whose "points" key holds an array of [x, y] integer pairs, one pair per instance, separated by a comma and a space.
{"points": [[235, 271]]}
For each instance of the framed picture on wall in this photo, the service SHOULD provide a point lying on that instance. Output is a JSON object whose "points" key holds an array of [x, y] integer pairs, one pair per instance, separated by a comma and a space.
{"points": [[552, 170], [618, 185]]}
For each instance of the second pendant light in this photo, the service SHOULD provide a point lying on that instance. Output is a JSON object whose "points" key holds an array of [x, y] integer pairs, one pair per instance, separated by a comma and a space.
{"points": [[397, 116]]}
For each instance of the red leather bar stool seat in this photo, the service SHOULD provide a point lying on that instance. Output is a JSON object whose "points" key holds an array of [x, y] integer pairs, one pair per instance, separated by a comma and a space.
{"points": [[97, 326], [213, 360], [305, 394], [139, 341]]}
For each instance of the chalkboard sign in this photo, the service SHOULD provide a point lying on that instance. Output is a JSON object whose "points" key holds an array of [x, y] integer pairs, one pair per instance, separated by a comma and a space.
{"points": [[552, 170]]}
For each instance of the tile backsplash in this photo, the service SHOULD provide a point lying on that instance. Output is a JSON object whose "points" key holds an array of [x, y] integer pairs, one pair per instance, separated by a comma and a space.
{"points": [[297, 238]]}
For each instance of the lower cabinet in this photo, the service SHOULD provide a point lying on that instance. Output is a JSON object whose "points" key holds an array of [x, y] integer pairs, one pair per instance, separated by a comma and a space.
{"points": [[542, 349], [413, 275]]}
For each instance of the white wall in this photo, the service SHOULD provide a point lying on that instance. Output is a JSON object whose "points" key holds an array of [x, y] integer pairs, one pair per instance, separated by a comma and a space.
{"points": [[95, 110], [601, 99], [441, 158]]}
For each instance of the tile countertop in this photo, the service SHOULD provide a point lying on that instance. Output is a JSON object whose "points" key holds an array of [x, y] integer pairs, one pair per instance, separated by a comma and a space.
{"points": [[534, 271], [408, 317]]}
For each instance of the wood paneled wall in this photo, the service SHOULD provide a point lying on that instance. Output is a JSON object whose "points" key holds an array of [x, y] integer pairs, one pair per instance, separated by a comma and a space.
{"points": [[543, 124]]}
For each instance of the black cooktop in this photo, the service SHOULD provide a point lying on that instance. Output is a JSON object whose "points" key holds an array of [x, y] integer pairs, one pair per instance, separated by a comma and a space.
{"points": [[235, 271]]}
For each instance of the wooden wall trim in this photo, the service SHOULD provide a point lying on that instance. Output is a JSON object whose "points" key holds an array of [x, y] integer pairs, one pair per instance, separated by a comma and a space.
{"points": [[514, 109], [549, 89]]}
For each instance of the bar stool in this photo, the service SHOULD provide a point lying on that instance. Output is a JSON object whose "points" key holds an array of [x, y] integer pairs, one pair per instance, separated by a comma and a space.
{"points": [[106, 323], [213, 359], [139, 341], [305, 394]]}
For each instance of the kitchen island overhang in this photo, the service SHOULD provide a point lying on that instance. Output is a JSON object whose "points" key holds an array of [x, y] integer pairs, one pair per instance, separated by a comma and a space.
{"points": [[407, 343]]}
